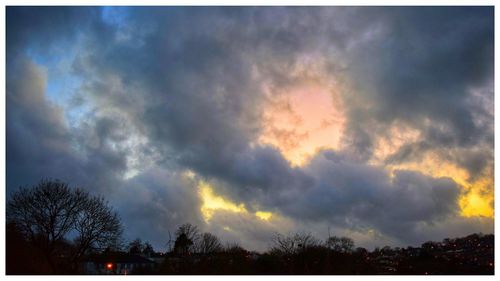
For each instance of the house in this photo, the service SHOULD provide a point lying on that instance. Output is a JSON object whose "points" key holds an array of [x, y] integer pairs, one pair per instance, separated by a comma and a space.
{"points": [[114, 263]]}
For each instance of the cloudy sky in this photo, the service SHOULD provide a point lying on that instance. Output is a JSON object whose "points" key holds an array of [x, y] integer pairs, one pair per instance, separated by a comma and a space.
{"points": [[372, 123]]}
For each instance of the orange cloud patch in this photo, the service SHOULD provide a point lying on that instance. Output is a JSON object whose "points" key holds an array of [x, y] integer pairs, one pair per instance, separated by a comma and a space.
{"points": [[389, 144], [302, 119]]}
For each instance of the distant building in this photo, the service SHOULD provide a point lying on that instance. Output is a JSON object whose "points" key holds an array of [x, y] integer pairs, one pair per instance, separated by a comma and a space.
{"points": [[114, 263]]}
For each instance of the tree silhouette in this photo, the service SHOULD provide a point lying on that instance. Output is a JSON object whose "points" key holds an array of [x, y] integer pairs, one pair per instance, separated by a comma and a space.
{"points": [[208, 244], [135, 247], [96, 225], [148, 249], [191, 231], [46, 213], [182, 244], [288, 245], [186, 237], [342, 244]]}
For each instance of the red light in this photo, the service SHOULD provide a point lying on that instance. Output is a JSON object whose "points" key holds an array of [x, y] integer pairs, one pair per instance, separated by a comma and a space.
{"points": [[109, 266]]}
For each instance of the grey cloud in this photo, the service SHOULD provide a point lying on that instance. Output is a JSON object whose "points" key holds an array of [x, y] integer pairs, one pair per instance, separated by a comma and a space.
{"points": [[41, 145], [155, 203], [39, 127], [359, 196], [422, 65]]}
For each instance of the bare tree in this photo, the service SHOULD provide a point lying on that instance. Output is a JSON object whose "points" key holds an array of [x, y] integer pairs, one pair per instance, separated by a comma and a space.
{"points": [[45, 213], [340, 244], [148, 249], [183, 245], [49, 211], [208, 243], [170, 243], [191, 231], [282, 245], [289, 245], [135, 247], [347, 244], [96, 225], [234, 248], [187, 236]]}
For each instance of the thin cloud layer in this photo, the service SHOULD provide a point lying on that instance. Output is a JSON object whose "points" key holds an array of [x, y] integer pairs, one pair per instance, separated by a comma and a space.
{"points": [[142, 105]]}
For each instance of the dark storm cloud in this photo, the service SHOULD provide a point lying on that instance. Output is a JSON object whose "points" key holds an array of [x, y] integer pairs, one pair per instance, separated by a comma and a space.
{"points": [[42, 29], [424, 66], [180, 88]]}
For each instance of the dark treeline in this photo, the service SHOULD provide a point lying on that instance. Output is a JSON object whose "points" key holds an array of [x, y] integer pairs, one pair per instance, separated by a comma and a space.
{"points": [[54, 229], [203, 253]]}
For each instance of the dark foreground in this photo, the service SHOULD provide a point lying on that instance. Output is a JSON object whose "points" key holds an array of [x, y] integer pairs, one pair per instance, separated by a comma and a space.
{"points": [[468, 255]]}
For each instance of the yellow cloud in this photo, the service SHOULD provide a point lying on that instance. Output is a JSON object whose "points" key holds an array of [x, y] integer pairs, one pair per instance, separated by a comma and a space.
{"points": [[477, 198], [433, 166], [212, 203], [475, 204], [264, 215]]}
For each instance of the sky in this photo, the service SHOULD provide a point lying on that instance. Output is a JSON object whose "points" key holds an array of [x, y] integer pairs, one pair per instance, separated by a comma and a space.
{"points": [[374, 123]]}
